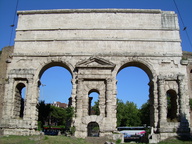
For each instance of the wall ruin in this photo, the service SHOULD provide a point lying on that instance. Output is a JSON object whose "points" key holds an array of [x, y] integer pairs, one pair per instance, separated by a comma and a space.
{"points": [[94, 45]]}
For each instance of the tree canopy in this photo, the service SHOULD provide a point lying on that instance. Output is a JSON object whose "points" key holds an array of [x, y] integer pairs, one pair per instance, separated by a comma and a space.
{"points": [[51, 114], [145, 113], [95, 108], [129, 115]]}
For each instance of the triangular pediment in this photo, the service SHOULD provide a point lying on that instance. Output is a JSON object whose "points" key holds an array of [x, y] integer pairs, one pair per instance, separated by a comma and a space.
{"points": [[95, 62]]}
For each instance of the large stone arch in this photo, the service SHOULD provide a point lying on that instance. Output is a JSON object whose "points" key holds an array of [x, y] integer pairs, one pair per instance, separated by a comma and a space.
{"points": [[43, 66], [151, 73], [140, 63], [94, 45], [51, 63]]}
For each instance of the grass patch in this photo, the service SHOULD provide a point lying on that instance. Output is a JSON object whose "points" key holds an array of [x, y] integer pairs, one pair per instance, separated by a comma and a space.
{"points": [[17, 140], [44, 139], [41, 140], [176, 140]]}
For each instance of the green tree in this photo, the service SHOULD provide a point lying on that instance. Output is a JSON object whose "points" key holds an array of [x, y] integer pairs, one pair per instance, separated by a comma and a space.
{"points": [[127, 114], [120, 112], [95, 108], [44, 110], [52, 114], [62, 116], [69, 116], [58, 115], [145, 113]]}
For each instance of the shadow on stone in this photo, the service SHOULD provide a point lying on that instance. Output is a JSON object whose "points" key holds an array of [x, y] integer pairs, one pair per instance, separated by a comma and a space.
{"points": [[183, 130]]}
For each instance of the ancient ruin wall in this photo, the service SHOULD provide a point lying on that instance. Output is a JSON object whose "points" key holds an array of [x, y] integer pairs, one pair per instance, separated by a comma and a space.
{"points": [[94, 45], [98, 32], [5, 57]]}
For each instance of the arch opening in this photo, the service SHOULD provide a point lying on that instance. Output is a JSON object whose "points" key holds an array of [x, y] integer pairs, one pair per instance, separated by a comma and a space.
{"points": [[55, 81], [140, 65], [172, 106], [135, 89], [20, 94], [55, 96], [93, 104], [53, 64], [93, 129]]}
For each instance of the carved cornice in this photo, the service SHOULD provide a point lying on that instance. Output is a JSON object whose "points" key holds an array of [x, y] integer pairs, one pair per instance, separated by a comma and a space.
{"points": [[129, 54], [154, 11], [21, 73]]}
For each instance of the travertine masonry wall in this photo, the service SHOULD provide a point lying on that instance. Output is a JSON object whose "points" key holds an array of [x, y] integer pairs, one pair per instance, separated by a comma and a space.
{"points": [[4, 60], [94, 45]]}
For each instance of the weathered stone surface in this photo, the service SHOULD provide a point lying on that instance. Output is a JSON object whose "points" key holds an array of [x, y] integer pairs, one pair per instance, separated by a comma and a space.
{"points": [[94, 45], [5, 59]]}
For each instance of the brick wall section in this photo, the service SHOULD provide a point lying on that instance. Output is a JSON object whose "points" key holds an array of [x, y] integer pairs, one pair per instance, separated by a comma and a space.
{"points": [[4, 61]]}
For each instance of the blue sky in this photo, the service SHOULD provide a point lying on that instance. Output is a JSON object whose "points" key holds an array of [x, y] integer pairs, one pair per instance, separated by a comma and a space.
{"points": [[127, 76]]}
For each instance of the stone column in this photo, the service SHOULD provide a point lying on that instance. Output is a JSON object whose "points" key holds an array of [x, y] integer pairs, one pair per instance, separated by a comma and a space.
{"points": [[114, 104], [8, 101], [79, 98], [184, 110], [89, 107], [108, 110], [28, 112], [35, 101], [73, 93], [182, 96], [78, 121], [153, 100], [162, 102], [110, 105]]}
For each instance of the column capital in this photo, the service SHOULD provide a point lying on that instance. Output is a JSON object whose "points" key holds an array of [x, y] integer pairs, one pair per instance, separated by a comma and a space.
{"points": [[109, 80], [161, 78], [180, 77], [80, 79], [161, 81]]}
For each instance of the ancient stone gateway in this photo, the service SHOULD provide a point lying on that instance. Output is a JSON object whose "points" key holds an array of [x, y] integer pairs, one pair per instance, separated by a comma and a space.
{"points": [[94, 45]]}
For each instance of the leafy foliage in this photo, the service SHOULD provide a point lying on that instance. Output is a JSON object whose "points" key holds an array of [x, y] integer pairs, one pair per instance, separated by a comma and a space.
{"points": [[52, 114], [95, 108], [58, 115], [145, 113], [127, 114], [44, 110]]}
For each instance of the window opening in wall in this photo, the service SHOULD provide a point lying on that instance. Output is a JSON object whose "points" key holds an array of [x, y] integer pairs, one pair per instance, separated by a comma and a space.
{"points": [[93, 103], [171, 106], [19, 100], [23, 94], [93, 129]]}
